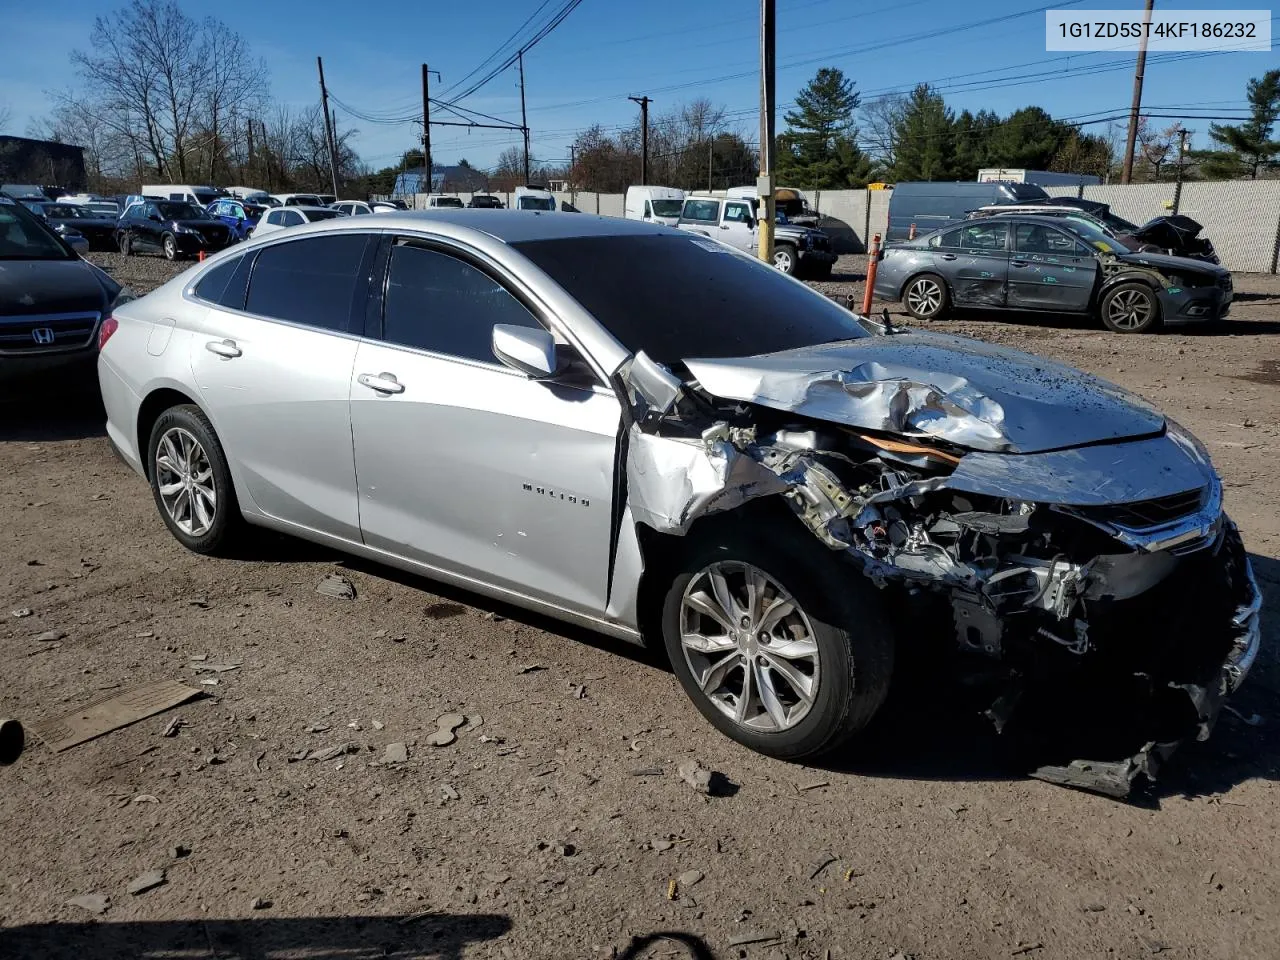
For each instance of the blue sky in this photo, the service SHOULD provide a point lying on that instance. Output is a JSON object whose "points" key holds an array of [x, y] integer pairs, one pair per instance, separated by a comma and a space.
{"points": [[671, 50]]}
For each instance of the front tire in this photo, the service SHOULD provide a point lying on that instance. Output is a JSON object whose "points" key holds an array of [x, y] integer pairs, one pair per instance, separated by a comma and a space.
{"points": [[779, 644], [926, 297], [786, 259], [170, 246], [1130, 308], [126, 245], [191, 481]]}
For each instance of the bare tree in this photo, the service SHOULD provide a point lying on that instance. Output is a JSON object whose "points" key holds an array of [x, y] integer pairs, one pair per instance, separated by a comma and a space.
{"points": [[6, 115], [1156, 147], [878, 123]]}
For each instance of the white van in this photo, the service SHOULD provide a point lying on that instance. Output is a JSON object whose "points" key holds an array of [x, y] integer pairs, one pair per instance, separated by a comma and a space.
{"points": [[200, 195], [654, 204], [535, 198]]}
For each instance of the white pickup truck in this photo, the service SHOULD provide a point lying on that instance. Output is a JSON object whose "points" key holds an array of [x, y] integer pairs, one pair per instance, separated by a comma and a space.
{"points": [[732, 220]]}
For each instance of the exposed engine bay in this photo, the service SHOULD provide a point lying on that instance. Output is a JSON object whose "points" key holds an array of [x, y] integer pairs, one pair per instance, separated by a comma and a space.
{"points": [[1106, 572]]}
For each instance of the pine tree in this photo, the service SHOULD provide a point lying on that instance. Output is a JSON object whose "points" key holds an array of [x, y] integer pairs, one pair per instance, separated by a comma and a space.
{"points": [[819, 149], [926, 138], [1027, 138], [1246, 148]]}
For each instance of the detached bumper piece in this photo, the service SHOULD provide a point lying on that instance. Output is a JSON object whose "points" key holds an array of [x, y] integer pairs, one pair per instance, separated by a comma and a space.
{"points": [[1182, 699]]}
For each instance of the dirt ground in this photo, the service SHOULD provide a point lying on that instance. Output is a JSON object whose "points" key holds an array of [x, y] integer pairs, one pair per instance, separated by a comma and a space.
{"points": [[558, 826]]}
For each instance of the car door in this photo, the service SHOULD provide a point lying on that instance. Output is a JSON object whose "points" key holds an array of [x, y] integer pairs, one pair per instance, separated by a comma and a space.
{"points": [[738, 226], [148, 228], [275, 370], [464, 464], [1050, 269], [980, 269]]}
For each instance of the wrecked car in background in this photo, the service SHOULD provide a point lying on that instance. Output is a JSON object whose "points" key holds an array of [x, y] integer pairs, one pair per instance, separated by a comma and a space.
{"points": [[661, 437], [1046, 263]]}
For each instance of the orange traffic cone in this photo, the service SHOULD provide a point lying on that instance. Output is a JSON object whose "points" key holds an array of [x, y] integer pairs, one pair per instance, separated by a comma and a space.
{"points": [[201, 257]]}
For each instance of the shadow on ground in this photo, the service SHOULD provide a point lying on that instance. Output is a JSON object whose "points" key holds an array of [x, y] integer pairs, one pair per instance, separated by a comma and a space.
{"points": [[432, 936], [49, 418]]}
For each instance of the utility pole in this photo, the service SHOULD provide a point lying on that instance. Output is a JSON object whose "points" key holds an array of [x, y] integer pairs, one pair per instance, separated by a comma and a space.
{"points": [[644, 136], [524, 119], [1182, 152], [249, 158], [427, 166], [1126, 174], [573, 162], [764, 186], [328, 130], [711, 145]]}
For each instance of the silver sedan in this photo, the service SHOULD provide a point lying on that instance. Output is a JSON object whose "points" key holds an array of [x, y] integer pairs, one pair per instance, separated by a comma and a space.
{"points": [[643, 431]]}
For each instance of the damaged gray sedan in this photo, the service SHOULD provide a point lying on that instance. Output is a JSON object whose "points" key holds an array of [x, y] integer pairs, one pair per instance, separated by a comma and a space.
{"points": [[645, 432]]}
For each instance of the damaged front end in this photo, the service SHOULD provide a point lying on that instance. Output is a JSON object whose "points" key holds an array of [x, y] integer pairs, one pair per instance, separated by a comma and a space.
{"points": [[1099, 586]]}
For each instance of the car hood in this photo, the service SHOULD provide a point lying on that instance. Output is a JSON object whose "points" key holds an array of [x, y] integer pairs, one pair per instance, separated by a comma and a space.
{"points": [[1167, 264], [795, 231], [972, 394], [1169, 232], [200, 224], [50, 286]]}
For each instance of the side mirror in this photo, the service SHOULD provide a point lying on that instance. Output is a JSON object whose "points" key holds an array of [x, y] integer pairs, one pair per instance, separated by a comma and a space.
{"points": [[529, 350]]}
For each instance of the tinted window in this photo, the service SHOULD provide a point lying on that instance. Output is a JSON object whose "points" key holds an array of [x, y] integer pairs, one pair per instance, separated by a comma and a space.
{"points": [[688, 297], [181, 211], [292, 218], [1038, 238], [311, 281], [24, 237], [211, 286], [705, 211], [437, 302], [984, 237], [314, 215], [949, 239], [273, 217]]}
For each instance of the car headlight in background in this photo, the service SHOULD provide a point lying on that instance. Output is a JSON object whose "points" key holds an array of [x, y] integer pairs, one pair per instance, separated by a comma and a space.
{"points": [[181, 228]]}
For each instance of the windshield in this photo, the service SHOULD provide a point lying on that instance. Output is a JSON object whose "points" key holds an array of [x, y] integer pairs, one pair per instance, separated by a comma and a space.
{"points": [[1094, 236], [535, 203], [23, 237], [180, 211], [667, 208], [1119, 224], [303, 200], [688, 297], [64, 211], [314, 215], [448, 202], [207, 197]]}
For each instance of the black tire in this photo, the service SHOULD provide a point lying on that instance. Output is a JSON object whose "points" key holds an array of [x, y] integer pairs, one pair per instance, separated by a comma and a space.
{"points": [[227, 523], [786, 258], [169, 244], [854, 644], [126, 245], [926, 296], [1130, 307]]}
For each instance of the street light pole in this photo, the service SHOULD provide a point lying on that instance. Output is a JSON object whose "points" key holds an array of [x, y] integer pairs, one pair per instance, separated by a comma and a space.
{"points": [[764, 185], [644, 136]]}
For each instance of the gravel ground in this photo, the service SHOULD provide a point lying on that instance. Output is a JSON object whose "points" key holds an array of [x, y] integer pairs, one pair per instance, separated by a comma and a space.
{"points": [[557, 826]]}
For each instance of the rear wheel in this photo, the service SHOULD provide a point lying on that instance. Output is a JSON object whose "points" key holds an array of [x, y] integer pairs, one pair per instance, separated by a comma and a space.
{"points": [[126, 245], [1130, 308], [786, 259], [170, 246], [925, 297], [191, 482], [779, 644]]}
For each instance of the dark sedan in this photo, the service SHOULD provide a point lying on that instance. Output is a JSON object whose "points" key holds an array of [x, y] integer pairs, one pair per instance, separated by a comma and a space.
{"points": [[170, 228], [98, 229], [52, 305], [1038, 263], [485, 201]]}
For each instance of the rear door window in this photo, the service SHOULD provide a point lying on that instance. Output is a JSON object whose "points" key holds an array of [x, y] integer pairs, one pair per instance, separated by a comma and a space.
{"points": [[314, 281], [984, 237], [439, 302], [225, 284]]}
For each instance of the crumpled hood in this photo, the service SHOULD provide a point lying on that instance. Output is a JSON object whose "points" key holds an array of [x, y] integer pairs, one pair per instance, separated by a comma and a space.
{"points": [[973, 394], [1172, 231], [53, 286], [1167, 264]]}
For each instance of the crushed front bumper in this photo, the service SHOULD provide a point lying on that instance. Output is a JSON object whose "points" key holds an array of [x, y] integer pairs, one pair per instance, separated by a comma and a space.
{"points": [[1116, 778]]}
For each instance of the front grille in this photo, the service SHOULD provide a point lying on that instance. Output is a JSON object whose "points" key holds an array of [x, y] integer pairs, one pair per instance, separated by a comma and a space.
{"points": [[818, 242], [213, 234], [1149, 513], [46, 334]]}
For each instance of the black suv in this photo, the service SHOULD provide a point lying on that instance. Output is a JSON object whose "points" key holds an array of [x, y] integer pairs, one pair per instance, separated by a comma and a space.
{"points": [[171, 228], [485, 202]]}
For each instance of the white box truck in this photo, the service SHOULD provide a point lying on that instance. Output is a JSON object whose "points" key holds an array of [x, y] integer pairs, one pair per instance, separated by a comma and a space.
{"points": [[1041, 178], [653, 204]]}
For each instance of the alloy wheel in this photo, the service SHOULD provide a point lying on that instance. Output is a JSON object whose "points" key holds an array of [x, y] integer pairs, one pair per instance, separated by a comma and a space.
{"points": [[924, 298], [783, 260], [170, 248], [184, 478], [750, 647], [1129, 309]]}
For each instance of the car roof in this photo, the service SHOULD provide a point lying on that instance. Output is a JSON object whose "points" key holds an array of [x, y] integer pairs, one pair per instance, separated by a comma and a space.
{"points": [[508, 226]]}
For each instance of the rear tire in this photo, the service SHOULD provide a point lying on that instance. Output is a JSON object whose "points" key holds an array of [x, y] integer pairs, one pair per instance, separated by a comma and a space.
{"points": [[1130, 308], [126, 245], [170, 246], [191, 482], [926, 297], [816, 623]]}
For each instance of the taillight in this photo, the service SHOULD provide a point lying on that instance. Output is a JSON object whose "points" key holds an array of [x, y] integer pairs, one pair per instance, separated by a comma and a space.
{"points": [[108, 327]]}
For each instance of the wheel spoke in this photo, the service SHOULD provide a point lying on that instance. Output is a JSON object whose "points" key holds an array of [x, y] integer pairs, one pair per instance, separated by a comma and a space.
{"points": [[201, 511], [710, 607], [769, 697], [714, 676], [799, 648], [778, 608], [724, 596], [705, 645], [169, 489], [741, 708], [799, 682], [757, 585]]}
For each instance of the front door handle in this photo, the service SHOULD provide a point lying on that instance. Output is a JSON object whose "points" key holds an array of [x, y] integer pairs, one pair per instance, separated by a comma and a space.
{"points": [[1018, 263], [724, 226], [226, 349], [948, 256], [382, 382]]}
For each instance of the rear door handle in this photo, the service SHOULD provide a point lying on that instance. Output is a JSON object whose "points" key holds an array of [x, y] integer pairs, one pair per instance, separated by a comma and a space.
{"points": [[226, 349], [1018, 263], [381, 382], [948, 256]]}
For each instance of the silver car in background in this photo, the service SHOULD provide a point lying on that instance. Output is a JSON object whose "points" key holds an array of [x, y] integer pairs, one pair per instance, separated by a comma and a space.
{"points": [[641, 430]]}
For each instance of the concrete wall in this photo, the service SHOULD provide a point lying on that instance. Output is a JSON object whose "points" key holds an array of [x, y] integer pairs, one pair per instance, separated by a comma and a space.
{"points": [[1241, 217]]}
